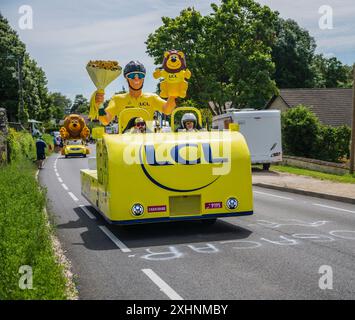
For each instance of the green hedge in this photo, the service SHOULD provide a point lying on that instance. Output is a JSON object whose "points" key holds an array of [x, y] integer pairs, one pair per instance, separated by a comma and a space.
{"points": [[22, 146], [25, 237], [303, 135], [49, 140]]}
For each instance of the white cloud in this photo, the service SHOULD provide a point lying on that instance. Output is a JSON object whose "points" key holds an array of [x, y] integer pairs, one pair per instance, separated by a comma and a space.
{"points": [[68, 33]]}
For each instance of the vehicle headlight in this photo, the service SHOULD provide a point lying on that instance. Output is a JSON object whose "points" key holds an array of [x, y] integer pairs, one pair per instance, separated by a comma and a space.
{"points": [[232, 203], [137, 209]]}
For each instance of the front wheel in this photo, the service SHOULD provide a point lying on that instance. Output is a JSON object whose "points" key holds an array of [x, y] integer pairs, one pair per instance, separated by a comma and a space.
{"points": [[266, 166]]}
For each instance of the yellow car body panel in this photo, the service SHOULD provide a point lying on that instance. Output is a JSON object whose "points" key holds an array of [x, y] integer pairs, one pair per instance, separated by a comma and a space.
{"points": [[75, 150], [170, 176]]}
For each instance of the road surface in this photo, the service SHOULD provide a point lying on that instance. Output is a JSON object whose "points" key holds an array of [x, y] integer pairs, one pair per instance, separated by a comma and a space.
{"points": [[293, 247]]}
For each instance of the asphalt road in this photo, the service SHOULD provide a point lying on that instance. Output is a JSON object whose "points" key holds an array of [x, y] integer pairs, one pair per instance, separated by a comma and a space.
{"points": [[284, 251]]}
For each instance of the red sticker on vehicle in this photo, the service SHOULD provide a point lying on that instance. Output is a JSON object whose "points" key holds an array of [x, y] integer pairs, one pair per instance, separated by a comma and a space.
{"points": [[156, 208], [213, 205]]}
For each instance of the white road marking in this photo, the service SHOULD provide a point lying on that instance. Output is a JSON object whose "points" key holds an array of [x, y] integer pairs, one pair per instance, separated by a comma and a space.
{"points": [[73, 196], [115, 240], [57, 174], [334, 208], [164, 287], [65, 186], [273, 195], [60, 180], [88, 213]]}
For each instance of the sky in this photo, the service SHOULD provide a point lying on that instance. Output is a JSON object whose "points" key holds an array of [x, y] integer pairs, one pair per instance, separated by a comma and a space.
{"points": [[67, 34]]}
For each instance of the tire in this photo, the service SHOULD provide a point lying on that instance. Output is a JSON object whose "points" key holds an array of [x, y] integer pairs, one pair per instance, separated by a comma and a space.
{"points": [[209, 222], [66, 156], [266, 166]]}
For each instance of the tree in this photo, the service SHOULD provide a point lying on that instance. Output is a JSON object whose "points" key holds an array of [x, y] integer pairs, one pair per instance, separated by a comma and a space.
{"points": [[60, 104], [15, 61], [80, 105], [228, 51], [293, 54], [330, 72], [11, 49]]}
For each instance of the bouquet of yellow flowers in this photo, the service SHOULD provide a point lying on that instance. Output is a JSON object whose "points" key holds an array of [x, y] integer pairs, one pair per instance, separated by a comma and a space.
{"points": [[102, 73]]}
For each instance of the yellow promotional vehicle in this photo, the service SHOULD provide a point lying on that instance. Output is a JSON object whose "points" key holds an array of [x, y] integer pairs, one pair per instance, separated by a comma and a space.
{"points": [[169, 176], [74, 148]]}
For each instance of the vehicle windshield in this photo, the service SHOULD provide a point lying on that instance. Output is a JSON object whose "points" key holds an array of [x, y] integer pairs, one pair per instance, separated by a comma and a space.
{"points": [[74, 142]]}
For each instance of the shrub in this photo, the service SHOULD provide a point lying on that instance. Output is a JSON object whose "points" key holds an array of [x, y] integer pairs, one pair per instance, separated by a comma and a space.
{"points": [[49, 141], [333, 143], [303, 135], [21, 146], [300, 131]]}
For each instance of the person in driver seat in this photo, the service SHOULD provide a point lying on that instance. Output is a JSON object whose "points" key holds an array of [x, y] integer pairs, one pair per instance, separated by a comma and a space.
{"points": [[139, 126], [189, 123]]}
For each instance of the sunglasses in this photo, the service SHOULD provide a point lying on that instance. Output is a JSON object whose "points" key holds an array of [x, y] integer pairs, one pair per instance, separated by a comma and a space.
{"points": [[140, 124], [132, 75]]}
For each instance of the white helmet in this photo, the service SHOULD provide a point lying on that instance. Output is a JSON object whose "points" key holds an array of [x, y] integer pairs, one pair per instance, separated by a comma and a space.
{"points": [[188, 117]]}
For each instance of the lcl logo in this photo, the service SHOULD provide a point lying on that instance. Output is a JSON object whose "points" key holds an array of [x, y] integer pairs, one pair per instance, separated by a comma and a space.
{"points": [[160, 164], [177, 158], [144, 104]]}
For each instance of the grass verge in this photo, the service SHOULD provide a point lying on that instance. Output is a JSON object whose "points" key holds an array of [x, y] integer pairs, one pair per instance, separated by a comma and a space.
{"points": [[346, 178], [25, 238]]}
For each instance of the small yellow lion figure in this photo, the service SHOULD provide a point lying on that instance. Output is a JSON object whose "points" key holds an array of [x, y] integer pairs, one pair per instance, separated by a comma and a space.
{"points": [[174, 72], [74, 128]]}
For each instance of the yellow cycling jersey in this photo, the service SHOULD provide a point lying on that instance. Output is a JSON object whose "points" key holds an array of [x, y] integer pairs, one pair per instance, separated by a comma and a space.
{"points": [[174, 77], [148, 101]]}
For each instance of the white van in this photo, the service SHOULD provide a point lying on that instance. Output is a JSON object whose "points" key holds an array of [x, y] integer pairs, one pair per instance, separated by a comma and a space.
{"points": [[261, 129]]}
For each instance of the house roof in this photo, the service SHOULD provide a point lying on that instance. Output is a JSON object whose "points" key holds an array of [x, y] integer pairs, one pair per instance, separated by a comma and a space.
{"points": [[331, 106]]}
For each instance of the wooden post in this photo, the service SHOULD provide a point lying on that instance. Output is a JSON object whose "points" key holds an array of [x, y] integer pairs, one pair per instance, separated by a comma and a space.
{"points": [[352, 149], [3, 136]]}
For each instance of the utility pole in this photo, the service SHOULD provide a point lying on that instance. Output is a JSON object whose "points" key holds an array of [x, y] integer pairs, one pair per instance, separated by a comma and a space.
{"points": [[352, 149], [20, 87]]}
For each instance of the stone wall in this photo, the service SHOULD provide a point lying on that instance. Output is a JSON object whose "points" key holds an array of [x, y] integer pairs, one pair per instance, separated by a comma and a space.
{"points": [[3, 136], [317, 165]]}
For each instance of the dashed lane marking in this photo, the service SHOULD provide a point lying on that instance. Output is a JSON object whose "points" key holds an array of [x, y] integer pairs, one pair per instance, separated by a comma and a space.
{"points": [[73, 196], [333, 208], [87, 212], [273, 195], [115, 240], [164, 287]]}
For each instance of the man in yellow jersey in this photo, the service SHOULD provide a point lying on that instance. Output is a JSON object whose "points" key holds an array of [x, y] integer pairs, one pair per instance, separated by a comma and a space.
{"points": [[134, 72]]}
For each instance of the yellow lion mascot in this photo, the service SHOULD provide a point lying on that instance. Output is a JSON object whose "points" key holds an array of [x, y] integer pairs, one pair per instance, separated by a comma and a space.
{"points": [[174, 72], [74, 128]]}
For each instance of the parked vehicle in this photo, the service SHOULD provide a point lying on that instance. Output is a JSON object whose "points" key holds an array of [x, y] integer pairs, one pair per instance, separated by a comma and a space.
{"points": [[261, 129]]}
